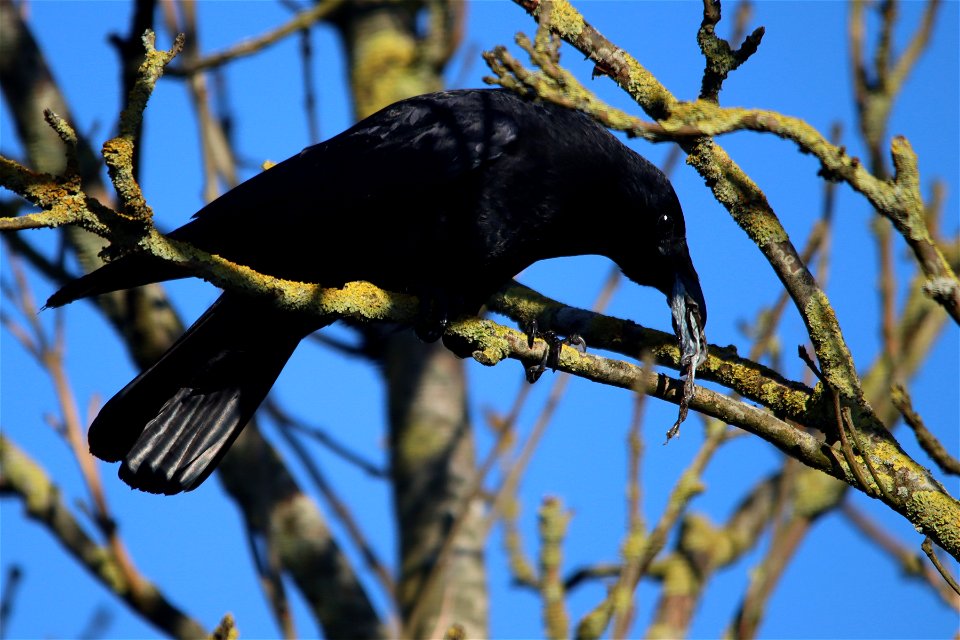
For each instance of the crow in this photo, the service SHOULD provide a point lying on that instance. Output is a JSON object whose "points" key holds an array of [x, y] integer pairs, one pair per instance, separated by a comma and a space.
{"points": [[445, 196]]}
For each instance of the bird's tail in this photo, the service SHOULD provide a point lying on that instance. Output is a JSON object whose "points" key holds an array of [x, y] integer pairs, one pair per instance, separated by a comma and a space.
{"points": [[174, 422], [127, 272]]}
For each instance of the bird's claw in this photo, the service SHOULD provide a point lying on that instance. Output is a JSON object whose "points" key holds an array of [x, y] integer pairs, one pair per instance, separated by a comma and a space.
{"points": [[551, 355], [433, 318], [576, 341], [532, 330]]}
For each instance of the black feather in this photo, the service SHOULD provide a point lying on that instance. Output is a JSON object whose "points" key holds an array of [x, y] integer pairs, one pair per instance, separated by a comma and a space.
{"points": [[174, 421]]}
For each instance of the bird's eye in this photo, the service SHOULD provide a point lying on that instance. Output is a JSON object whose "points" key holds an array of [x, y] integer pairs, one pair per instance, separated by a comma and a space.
{"points": [[664, 223]]}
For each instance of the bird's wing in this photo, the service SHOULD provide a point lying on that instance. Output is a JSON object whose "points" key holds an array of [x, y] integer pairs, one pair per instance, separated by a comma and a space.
{"points": [[415, 145]]}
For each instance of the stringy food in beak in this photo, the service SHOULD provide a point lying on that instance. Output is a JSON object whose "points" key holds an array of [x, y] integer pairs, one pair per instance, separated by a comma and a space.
{"points": [[693, 347]]}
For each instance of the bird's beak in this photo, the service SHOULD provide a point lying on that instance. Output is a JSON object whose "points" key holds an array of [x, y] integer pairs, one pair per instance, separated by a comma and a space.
{"points": [[689, 317]]}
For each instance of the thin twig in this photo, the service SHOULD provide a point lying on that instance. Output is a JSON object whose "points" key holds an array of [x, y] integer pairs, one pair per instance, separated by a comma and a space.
{"points": [[909, 560], [299, 22], [636, 528], [49, 355], [840, 427], [848, 419], [309, 88], [927, 547], [928, 442], [11, 583], [345, 516], [783, 548], [271, 581], [689, 122], [518, 466], [504, 436], [43, 502], [639, 552], [284, 420]]}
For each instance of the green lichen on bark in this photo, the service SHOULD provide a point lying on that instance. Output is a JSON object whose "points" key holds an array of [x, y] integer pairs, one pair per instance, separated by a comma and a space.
{"points": [[938, 516], [564, 19], [835, 360], [736, 192]]}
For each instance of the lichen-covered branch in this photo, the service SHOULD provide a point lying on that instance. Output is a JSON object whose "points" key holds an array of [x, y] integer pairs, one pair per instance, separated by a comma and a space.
{"points": [[924, 503], [489, 344], [702, 549], [750, 379], [23, 477], [914, 493], [395, 50], [553, 530], [917, 496], [688, 122], [339, 601], [118, 152], [721, 58]]}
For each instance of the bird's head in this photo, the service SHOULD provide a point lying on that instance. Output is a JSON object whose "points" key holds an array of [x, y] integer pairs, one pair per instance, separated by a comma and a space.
{"points": [[656, 255]]}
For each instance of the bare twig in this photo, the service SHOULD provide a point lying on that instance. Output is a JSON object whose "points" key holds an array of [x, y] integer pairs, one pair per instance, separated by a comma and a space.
{"points": [[927, 547], [11, 583], [271, 581], [309, 88], [216, 153], [301, 21], [509, 484], [928, 441], [841, 422], [593, 572], [518, 466], [636, 528], [688, 123], [721, 58], [345, 516], [749, 207], [909, 560], [639, 551], [285, 420], [49, 355], [782, 550], [23, 477]]}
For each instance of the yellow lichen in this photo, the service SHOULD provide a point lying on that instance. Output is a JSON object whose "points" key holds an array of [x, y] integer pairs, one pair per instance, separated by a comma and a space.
{"points": [[940, 514], [564, 19], [831, 351]]}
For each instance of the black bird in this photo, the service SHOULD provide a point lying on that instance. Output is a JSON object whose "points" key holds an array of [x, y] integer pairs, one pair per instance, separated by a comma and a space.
{"points": [[446, 196]]}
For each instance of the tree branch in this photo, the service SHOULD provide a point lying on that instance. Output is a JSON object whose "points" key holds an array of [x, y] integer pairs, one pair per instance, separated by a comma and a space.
{"points": [[23, 477], [298, 22], [922, 499], [688, 123]]}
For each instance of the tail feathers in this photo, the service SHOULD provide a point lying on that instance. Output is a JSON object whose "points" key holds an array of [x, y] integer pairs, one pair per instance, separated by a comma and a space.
{"points": [[183, 445], [125, 273], [174, 422]]}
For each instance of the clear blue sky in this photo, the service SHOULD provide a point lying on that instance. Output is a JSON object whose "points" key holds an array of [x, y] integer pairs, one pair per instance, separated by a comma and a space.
{"points": [[192, 546]]}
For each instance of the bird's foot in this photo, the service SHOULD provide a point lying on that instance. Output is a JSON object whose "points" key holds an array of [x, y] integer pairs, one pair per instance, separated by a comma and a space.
{"points": [[431, 329], [551, 355], [433, 318]]}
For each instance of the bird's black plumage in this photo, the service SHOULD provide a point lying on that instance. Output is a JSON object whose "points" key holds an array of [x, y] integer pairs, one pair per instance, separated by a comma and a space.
{"points": [[446, 196]]}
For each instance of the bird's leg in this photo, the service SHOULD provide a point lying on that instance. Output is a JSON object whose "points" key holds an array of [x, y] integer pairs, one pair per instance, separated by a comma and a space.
{"points": [[433, 317], [551, 355], [532, 330]]}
